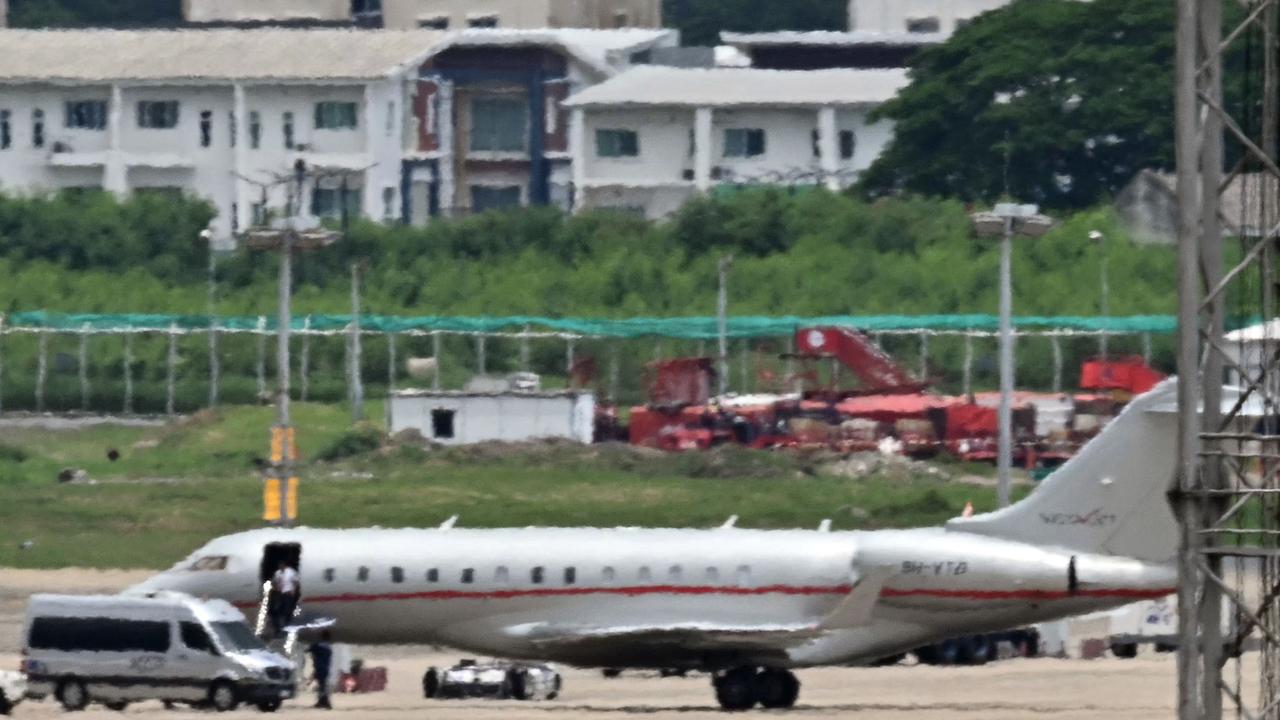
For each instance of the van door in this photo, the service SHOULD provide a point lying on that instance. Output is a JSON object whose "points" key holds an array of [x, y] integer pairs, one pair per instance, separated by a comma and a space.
{"points": [[196, 659]]}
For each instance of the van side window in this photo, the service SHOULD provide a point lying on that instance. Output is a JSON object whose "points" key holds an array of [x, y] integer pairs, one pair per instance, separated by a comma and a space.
{"points": [[329, 574], [570, 575], [99, 635], [194, 637], [468, 575], [397, 574], [433, 575], [362, 574], [535, 575]]}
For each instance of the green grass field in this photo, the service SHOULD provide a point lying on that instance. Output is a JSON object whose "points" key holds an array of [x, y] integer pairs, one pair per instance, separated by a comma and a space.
{"points": [[174, 487]]}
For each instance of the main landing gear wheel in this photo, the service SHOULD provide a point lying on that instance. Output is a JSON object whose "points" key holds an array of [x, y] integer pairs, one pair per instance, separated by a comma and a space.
{"points": [[777, 689], [741, 688]]}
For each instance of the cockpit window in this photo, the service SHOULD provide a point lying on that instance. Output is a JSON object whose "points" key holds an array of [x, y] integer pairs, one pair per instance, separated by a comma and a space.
{"points": [[209, 562]]}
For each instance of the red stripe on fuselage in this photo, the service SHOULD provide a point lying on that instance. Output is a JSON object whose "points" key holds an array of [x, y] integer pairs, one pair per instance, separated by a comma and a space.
{"points": [[637, 591]]}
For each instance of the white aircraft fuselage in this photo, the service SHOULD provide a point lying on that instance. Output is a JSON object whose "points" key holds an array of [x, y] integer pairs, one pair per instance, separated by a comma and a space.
{"points": [[748, 604]]}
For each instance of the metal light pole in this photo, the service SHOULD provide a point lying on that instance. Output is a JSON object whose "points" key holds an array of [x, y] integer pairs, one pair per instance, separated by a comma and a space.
{"points": [[1105, 301], [212, 312], [1005, 222], [722, 316]]}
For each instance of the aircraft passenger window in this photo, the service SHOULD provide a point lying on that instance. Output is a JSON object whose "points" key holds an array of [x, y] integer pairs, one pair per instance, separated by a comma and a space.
{"points": [[643, 574], [468, 575], [329, 574], [607, 574], [535, 575], [500, 575], [713, 574], [433, 575], [744, 576], [674, 573], [570, 576], [397, 575], [362, 574]]}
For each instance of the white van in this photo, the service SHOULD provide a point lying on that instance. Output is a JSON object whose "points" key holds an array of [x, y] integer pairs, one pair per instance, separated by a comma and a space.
{"points": [[120, 649]]}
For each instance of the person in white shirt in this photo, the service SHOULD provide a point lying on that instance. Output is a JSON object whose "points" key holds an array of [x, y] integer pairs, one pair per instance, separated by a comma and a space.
{"points": [[285, 585]]}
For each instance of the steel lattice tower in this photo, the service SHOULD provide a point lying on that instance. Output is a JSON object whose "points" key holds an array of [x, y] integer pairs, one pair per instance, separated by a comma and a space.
{"points": [[1227, 493]]}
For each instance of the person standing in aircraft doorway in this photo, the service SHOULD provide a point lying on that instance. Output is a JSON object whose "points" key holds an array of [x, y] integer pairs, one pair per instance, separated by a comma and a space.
{"points": [[285, 585]]}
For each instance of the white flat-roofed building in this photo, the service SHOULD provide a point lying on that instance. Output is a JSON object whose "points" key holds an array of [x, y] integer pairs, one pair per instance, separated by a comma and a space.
{"points": [[652, 137], [461, 418], [916, 16], [215, 113]]}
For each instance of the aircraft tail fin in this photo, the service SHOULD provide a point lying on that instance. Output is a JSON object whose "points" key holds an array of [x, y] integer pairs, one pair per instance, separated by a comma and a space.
{"points": [[1111, 497]]}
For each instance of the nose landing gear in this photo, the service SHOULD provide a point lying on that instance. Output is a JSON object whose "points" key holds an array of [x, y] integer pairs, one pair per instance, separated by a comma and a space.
{"points": [[743, 687]]}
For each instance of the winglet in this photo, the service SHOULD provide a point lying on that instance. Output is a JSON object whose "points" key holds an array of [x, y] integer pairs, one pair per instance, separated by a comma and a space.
{"points": [[855, 609], [732, 521], [448, 524]]}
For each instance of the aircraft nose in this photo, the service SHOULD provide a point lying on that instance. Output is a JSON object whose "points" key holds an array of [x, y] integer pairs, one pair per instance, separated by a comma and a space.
{"points": [[155, 583]]}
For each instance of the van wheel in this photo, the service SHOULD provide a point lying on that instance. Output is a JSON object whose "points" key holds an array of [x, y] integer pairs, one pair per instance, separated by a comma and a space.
{"points": [[116, 705], [73, 695], [222, 696], [269, 705]]}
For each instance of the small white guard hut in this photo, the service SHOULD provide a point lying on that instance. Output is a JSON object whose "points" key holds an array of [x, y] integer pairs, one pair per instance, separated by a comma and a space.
{"points": [[464, 417]]}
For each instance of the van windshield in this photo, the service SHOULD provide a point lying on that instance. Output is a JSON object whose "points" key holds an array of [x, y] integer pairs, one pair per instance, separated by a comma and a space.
{"points": [[236, 637]]}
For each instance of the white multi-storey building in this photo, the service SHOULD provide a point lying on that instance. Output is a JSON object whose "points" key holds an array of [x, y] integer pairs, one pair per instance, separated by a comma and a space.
{"points": [[652, 137], [916, 16], [432, 14], [222, 114]]}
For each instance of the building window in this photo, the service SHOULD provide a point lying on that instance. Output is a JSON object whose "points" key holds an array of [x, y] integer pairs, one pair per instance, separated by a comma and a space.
{"points": [[962, 22], [206, 128], [923, 25], [86, 115], [259, 212], [439, 22], [621, 20], [570, 575], [468, 576], [233, 126], [388, 203], [334, 202], [617, 143], [37, 128], [391, 119], [743, 142], [483, 21], [336, 116], [433, 575], [485, 197], [158, 115], [499, 124], [536, 575], [397, 574], [846, 144], [255, 129], [6, 130], [288, 131], [442, 423]]}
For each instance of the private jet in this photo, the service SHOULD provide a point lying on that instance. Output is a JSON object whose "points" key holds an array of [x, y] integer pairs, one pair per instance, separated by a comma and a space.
{"points": [[748, 606]]}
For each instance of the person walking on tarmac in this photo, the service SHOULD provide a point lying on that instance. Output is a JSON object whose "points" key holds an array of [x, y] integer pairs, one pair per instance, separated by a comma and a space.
{"points": [[321, 652], [285, 585]]}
